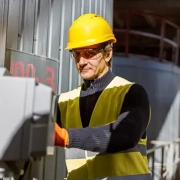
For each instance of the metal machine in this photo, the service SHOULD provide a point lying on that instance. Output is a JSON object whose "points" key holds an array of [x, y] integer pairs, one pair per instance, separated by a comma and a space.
{"points": [[27, 116]]}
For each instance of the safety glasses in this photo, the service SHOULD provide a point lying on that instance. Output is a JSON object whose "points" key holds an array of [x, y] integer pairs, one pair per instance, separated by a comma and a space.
{"points": [[90, 53]]}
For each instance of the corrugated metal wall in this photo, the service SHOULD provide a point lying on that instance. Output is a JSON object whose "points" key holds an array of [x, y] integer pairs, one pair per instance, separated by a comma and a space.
{"points": [[3, 27], [40, 27], [34, 33]]}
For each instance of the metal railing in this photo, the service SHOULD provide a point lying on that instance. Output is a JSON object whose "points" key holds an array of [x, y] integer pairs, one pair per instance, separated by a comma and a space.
{"points": [[164, 159], [128, 30]]}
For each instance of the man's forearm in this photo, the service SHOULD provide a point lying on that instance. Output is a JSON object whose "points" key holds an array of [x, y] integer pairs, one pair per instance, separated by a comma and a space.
{"points": [[120, 135], [114, 137]]}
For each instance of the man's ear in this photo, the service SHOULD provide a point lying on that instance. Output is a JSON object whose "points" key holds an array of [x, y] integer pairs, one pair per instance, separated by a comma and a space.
{"points": [[108, 55]]}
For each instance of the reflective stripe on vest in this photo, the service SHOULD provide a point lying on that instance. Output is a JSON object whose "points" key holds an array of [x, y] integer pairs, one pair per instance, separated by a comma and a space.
{"points": [[74, 153]]}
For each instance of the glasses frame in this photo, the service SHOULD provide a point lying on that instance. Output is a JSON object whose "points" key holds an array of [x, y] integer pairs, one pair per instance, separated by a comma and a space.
{"points": [[95, 49]]}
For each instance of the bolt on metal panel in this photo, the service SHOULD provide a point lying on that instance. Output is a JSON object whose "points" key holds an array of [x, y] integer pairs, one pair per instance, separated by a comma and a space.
{"points": [[54, 29], [29, 26], [64, 54], [13, 24], [43, 27]]}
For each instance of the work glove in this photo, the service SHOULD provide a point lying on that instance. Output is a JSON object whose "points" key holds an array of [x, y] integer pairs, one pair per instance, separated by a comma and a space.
{"points": [[61, 136]]}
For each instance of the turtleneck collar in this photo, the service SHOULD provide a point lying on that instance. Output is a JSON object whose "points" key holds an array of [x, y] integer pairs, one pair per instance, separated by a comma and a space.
{"points": [[99, 83]]}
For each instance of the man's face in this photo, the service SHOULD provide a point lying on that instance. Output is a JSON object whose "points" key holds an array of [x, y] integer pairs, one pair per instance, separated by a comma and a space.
{"points": [[90, 62]]}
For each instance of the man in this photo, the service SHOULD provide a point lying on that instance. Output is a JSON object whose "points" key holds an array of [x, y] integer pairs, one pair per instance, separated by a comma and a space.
{"points": [[103, 122]]}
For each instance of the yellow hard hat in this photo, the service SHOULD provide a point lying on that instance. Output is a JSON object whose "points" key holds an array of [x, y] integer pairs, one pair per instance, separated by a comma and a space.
{"points": [[89, 29]]}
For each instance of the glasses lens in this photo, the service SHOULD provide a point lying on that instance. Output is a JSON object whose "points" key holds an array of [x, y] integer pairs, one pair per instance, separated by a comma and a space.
{"points": [[87, 53], [76, 54]]}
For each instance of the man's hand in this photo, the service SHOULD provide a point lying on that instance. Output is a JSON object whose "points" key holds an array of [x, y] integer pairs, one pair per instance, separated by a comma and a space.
{"points": [[61, 136]]}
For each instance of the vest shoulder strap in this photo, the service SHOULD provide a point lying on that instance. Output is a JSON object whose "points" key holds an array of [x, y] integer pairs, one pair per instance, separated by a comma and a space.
{"points": [[70, 94], [117, 81]]}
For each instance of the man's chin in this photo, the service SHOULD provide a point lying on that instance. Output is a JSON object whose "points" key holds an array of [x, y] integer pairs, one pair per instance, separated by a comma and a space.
{"points": [[86, 76]]}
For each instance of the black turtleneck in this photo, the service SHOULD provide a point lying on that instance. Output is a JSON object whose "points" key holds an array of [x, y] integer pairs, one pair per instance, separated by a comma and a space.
{"points": [[120, 135], [90, 93]]}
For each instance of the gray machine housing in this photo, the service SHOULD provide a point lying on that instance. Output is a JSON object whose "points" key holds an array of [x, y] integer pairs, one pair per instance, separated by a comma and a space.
{"points": [[27, 117]]}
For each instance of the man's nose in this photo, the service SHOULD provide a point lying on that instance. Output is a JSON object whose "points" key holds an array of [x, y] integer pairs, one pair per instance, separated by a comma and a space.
{"points": [[82, 61]]}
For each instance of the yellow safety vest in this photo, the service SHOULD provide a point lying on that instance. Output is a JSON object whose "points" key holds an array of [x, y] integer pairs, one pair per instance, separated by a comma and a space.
{"points": [[86, 165]]}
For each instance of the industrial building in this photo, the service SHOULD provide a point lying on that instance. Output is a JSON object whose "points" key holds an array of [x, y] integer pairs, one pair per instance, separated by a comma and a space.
{"points": [[33, 35]]}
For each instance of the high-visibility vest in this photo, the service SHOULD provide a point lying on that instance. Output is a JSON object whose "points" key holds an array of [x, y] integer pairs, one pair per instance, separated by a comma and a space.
{"points": [[131, 164]]}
